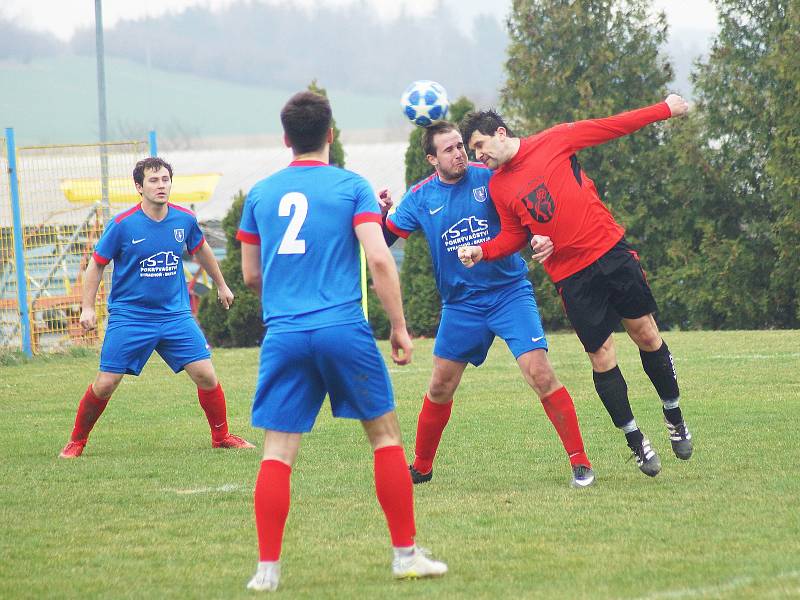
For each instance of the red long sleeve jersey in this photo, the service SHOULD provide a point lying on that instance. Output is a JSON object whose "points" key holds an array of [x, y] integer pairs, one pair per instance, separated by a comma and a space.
{"points": [[542, 189]]}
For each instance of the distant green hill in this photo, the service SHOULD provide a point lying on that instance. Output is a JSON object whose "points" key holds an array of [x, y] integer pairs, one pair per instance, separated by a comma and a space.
{"points": [[55, 101]]}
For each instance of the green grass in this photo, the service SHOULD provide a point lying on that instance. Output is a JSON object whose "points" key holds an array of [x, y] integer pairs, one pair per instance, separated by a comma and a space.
{"points": [[151, 511]]}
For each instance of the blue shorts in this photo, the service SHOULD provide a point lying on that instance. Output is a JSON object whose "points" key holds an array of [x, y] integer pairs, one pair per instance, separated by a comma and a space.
{"points": [[128, 344], [297, 369], [467, 329]]}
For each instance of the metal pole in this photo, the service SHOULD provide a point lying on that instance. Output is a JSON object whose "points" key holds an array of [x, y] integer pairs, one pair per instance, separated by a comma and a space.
{"points": [[153, 143], [19, 251], [101, 108]]}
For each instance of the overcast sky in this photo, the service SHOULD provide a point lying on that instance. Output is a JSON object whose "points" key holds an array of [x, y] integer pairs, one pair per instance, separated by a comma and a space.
{"points": [[62, 17]]}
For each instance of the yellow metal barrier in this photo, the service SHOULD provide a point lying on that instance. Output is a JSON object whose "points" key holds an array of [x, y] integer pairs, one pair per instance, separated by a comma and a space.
{"points": [[186, 189]]}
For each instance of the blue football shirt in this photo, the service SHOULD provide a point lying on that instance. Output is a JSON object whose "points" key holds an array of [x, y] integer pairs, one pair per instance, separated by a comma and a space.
{"points": [[303, 218], [453, 215], [148, 280]]}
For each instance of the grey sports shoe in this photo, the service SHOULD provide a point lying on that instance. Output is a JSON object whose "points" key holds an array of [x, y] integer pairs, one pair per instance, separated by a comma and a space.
{"points": [[582, 476], [417, 564], [681, 440], [267, 576], [646, 458], [417, 477]]}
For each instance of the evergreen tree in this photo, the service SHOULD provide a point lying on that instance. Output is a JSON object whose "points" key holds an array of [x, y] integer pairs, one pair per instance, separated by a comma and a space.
{"points": [[584, 59], [241, 325], [423, 304], [748, 98], [783, 168], [337, 150]]}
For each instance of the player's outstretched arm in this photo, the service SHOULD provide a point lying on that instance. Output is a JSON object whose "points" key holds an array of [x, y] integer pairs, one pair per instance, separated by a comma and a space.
{"points": [[593, 132], [206, 259], [677, 105], [251, 267], [387, 285], [91, 283]]}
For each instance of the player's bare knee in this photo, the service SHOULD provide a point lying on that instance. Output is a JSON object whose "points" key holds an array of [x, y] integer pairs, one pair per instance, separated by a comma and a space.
{"points": [[105, 384], [604, 358], [538, 372], [644, 333], [647, 338], [441, 391], [205, 379], [383, 431], [543, 380]]}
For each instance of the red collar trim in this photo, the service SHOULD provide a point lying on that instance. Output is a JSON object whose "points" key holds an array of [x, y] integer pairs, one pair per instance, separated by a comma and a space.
{"points": [[307, 163]]}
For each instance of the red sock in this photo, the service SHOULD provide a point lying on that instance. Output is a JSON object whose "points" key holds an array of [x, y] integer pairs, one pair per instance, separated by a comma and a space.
{"points": [[89, 410], [561, 411], [432, 420], [213, 404], [271, 500], [395, 493]]}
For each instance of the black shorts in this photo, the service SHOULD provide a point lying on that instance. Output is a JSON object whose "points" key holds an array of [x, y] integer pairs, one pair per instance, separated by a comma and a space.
{"points": [[612, 288]]}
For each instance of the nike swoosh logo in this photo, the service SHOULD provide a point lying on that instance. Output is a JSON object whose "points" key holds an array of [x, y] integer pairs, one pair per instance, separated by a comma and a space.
{"points": [[220, 425], [537, 339], [434, 211], [137, 241]]}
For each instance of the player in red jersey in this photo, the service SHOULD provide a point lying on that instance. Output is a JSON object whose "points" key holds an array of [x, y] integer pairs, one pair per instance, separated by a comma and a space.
{"points": [[538, 187]]}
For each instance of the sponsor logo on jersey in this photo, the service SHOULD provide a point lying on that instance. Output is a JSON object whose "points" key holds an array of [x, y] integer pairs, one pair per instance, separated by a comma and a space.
{"points": [[480, 194], [179, 235], [161, 264], [469, 230]]}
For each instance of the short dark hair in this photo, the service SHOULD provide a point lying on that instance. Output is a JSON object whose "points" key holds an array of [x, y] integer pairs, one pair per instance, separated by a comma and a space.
{"points": [[485, 121], [151, 163], [306, 119], [430, 132]]}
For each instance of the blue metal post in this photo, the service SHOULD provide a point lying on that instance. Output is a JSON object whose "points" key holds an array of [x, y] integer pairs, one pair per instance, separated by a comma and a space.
{"points": [[19, 251], [153, 143], [102, 114]]}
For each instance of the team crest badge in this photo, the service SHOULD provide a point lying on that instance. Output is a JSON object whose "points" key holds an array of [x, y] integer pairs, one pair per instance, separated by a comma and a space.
{"points": [[540, 204], [179, 235], [480, 194]]}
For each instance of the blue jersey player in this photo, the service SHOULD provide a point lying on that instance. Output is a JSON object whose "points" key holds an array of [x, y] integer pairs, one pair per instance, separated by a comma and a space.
{"points": [[300, 233], [149, 304], [452, 208]]}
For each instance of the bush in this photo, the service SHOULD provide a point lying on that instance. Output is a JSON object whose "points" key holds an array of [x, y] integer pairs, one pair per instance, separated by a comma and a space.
{"points": [[241, 325]]}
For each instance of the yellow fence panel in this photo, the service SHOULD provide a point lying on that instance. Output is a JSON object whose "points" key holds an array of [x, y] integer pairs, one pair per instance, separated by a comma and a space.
{"points": [[59, 234]]}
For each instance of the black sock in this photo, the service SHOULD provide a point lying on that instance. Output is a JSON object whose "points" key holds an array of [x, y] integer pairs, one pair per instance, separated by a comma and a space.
{"points": [[660, 368], [634, 438], [613, 392]]}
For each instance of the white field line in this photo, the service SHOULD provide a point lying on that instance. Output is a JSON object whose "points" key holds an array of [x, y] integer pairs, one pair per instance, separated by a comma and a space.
{"points": [[755, 356], [227, 488], [716, 590]]}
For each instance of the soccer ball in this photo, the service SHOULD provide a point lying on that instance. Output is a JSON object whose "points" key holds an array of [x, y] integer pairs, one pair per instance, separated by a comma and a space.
{"points": [[425, 102]]}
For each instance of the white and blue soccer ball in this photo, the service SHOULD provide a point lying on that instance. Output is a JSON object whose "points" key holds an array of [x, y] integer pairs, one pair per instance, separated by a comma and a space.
{"points": [[425, 102]]}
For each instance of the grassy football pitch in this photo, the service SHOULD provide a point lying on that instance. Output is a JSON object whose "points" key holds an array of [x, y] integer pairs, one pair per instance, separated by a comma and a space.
{"points": [[151, 511]]}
